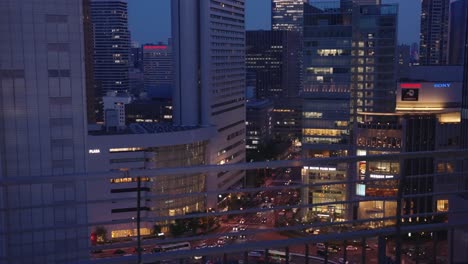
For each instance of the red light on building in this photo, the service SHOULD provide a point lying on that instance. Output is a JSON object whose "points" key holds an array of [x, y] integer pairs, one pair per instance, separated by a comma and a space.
{"points": [[154, 47], [410, 85], [93, 238]]}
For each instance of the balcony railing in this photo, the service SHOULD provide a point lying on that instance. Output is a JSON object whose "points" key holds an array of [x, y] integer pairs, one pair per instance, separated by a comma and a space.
{"points": [[418, 215]]}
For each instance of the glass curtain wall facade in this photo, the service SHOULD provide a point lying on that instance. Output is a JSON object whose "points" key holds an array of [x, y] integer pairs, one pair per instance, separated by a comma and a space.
{"points": [[327, 73], [374, 64], [349, 68]]}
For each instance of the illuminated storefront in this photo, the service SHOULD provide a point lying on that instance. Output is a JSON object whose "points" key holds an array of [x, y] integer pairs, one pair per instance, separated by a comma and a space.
{"points": [[378, 177], [326, 193]]}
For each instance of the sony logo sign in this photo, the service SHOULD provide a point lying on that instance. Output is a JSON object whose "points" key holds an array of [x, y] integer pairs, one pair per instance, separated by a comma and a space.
{"points": [[442, 85]]}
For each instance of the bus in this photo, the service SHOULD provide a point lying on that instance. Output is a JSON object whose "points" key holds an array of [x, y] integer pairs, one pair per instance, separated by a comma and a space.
{"points": [[274, 256], [172, 247]]}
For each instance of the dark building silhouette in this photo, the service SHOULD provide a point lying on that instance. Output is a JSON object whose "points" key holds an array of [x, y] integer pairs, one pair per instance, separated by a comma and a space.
{"points": [[91, 102], [272, 56], [111, 40], [464, 114], [434, 32], [457, 29], [136, 58], [273, 66], [258, 125]]}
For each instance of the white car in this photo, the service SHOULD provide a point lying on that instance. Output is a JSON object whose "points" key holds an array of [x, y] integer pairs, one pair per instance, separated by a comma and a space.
{"points": [[351, 248]]}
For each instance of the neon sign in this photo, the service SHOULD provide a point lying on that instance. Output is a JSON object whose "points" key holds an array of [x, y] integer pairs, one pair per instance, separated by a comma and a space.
{"points": [[154, 47], [410, 85]]}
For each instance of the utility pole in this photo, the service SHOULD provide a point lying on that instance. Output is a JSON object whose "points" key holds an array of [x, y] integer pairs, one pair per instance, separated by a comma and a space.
{"points": [[138, 220]]}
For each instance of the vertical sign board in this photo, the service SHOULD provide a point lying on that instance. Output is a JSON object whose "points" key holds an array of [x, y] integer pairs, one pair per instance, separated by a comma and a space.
{"points": [[410, 91]]}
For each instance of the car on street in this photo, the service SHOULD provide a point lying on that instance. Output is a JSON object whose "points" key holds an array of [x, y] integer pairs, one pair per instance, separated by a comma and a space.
{"points": [[118, 252], [242, 221], [334, 248], [221, 241], [320, 246], [351, 248], [264, 220]]}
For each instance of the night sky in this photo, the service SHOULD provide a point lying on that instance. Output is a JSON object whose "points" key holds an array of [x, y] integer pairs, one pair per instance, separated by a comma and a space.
{"points": [[149, 20]]}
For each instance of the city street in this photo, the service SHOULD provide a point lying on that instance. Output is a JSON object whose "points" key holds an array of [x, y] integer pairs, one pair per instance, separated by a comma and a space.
{"points": [[230, 230]]}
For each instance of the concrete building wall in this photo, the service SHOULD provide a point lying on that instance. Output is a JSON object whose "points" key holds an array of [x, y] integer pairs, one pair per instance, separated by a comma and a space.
{"points": [[42, 128], [209, 71]]}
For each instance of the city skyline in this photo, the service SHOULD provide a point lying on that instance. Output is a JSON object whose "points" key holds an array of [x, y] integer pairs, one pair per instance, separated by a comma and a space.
{"points": [[320, 140], [258, 17]]}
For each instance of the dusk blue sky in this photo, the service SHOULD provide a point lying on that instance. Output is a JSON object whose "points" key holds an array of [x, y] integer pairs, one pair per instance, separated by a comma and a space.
{"points": [[150, 20]]}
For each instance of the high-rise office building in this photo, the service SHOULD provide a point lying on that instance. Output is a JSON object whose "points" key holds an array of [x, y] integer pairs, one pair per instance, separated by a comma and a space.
{"points": [[327, 78], [136, 57], [135, 70], [258, 123], [374, 48], [404, 60], [434, 32], [457, 27], [349, 69], [111, 45], [346, 59], [273, 57], [43, 131], [209, 73], [157, 70], [287, 15], [273, 61]]}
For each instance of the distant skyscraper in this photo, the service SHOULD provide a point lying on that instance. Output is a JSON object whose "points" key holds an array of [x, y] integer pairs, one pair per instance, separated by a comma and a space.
{"points": [[273, 57], [136, 58], [111, 45], [287, 14], [209, 72], [272, 60], [434, 32], [414, 53], [42, 131], [457, 28], [404, 61], [135, 71], [157, 70]]}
